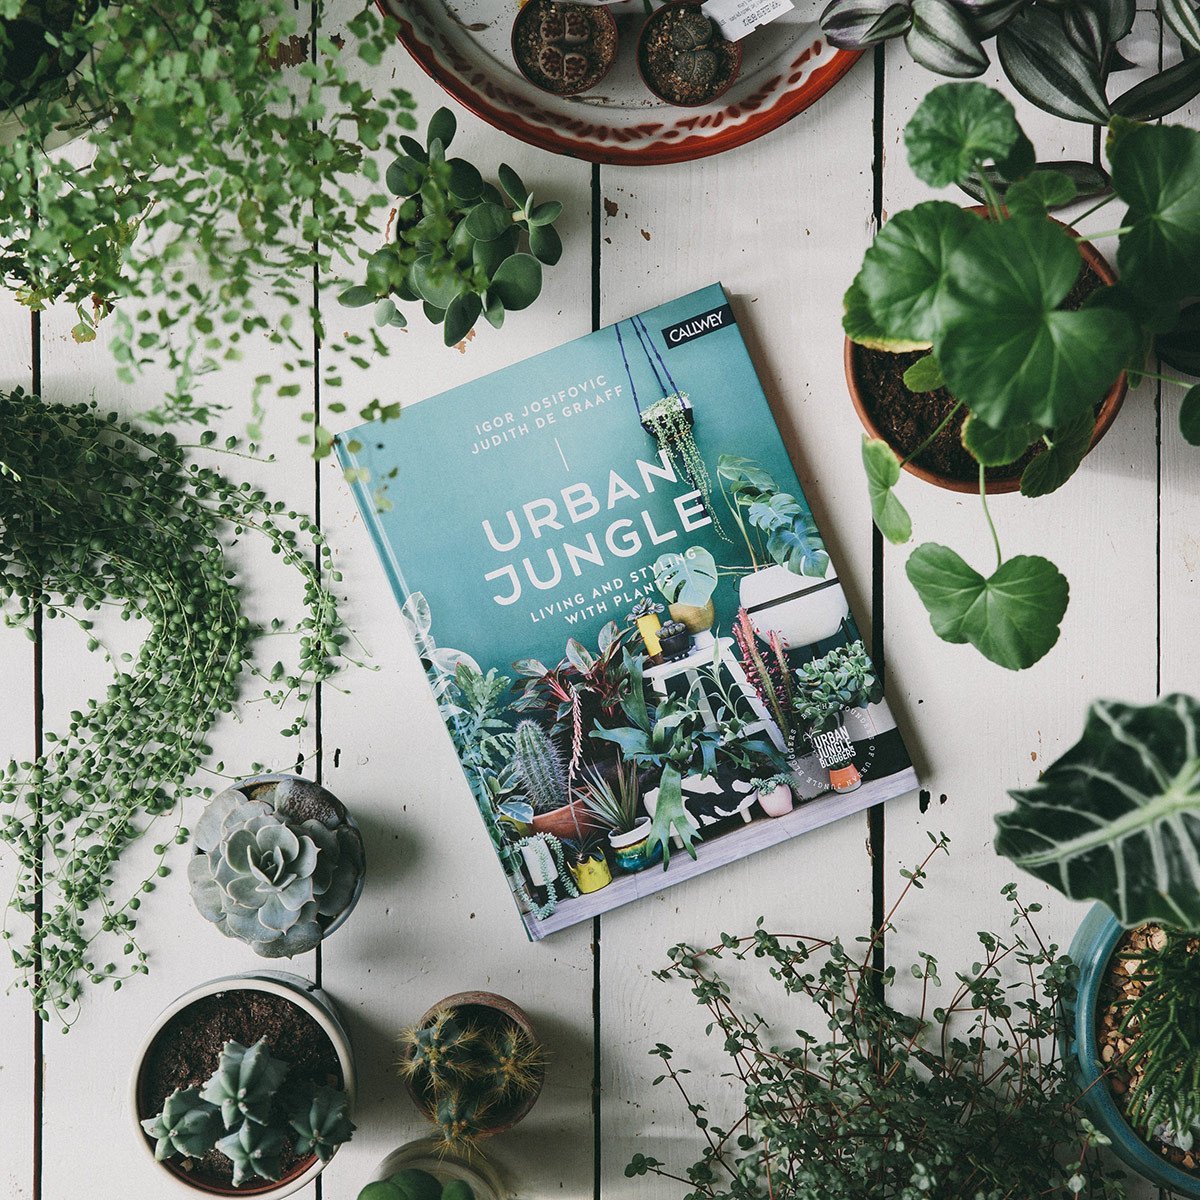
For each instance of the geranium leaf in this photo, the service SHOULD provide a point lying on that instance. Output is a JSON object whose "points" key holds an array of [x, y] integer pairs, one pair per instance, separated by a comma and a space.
{"points": [[996, 447], [925, 375], [1180, 348], [1115, 818], [1007, 350], [904, 273], [862, 328], [1040, 192], [957, 127], [1061, 459], [883, 473], [1011, 617], [1189, 415]]}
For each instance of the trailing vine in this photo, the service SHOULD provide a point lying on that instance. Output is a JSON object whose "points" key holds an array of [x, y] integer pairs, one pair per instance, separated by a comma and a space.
{"points": [[546, 849], [95, 512]]}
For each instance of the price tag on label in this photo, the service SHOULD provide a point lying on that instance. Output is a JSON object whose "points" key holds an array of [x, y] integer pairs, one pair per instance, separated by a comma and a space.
{"points": [[736, 18]]}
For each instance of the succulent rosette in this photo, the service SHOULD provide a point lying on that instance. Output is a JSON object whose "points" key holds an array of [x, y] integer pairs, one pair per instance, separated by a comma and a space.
{"points": [[277, 863]]}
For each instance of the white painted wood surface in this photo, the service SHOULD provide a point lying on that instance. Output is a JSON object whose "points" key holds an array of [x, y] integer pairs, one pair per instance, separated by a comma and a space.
{"points": [[783, 224]]}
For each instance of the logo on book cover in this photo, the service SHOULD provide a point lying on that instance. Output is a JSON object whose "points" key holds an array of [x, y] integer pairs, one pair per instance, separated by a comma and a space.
{"points": [[695, 327]]}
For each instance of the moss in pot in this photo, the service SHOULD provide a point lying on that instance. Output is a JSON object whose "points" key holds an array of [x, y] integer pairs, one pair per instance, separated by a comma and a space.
{"points": [[682, 57], [1024, 351]]}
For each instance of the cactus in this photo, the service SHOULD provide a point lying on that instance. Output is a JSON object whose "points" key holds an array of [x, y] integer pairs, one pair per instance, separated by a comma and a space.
{"points": [[245, 1111], [276, 863], [471, 1072], [539, 767]]}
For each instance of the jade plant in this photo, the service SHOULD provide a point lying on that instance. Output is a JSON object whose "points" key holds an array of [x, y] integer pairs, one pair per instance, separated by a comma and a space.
{"points": [[222, 143], [455, 240], [1060, 57], [277, 862], [985, 296], [826, 687], [471, 1068], [248, 1112]]}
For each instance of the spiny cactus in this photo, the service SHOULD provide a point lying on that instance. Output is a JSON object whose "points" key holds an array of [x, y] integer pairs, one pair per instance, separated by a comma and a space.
{"points": [[276, 864], [471, 1069], [247, 1111], [539, 766]]}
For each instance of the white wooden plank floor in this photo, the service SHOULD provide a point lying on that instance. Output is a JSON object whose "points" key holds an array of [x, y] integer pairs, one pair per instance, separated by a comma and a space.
{"points": [[783, 224]]}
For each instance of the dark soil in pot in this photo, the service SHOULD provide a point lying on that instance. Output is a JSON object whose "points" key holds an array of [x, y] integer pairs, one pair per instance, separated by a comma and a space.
{"points": [[905, 419], [564, 49], [1116, 991], [187, 1050], [682, 65]]}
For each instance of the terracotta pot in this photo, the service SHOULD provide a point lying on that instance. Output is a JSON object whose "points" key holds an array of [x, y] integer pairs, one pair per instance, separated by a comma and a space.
{"points": [[648, 28], [518, 1016], [571, 821], [601, 14], [1104, 418], [306, 996]]}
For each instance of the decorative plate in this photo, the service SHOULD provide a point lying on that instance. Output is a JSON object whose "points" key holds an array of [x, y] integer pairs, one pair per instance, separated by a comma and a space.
{"points": [[464, 45]]}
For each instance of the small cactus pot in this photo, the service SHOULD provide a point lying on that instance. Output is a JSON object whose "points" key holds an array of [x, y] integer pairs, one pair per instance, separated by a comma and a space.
{"points": [[593, 54], [647, 58], [445, 1166], [306, 996]]}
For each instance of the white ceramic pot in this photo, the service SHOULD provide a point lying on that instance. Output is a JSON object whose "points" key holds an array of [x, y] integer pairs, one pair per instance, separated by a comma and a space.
{"points": [[799, 608], [639, 833], [427, 1155], [305, 995], [777, 802]]}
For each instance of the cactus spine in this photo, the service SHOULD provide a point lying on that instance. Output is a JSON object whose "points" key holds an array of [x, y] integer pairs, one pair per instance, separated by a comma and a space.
{"points": [[539, 766]]}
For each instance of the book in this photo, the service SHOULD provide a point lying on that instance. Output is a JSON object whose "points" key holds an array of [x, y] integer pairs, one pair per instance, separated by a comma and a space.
{"points": [[631, 625]]}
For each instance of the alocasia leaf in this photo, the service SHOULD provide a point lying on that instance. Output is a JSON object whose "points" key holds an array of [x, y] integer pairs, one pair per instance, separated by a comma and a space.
{"points": [[1060, 460], [904, 272], [1156, 171], [883, 473], [957, 127], [1007, 350], [1011, 617], [1117, 818]]}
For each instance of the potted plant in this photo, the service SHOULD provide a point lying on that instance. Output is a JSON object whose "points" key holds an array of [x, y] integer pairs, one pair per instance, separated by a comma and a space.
{"points": [[1060, 59], [474, 1066], [244, 1086], [1033, 371], [195, 202], [587, 862], [774, 794], [645, 617], [674, 641], [1115, 820], [682, 57], [618, 803], [278, 863], [860, 1093], [825, 688], [421, 1171], [791, 589], [542, 775], [564, 49], [455, 240], [687, 582]]}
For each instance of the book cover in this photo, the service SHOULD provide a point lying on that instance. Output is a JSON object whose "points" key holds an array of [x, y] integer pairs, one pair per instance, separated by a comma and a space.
{"points": [[631, 626]]}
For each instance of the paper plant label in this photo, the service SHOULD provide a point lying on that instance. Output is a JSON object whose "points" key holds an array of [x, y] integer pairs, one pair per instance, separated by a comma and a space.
{"points": [[736, 18]]}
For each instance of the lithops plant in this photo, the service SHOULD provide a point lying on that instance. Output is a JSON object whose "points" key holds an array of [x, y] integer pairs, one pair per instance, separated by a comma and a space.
{"points": [[277, 863], [248, 1112]]}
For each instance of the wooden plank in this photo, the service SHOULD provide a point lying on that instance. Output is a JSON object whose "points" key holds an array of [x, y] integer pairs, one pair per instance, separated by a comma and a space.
{"points": [[778, 222], [18, 1078], [436, 916]]}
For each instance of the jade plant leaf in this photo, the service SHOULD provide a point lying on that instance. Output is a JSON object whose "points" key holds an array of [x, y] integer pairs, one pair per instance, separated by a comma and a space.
{"points": [[1156, 171], [1007, 350], [905, 272], [957, 127], [461, 316], [1011, 617], [996, 447], [941, 39], [1189, 416], [442, 127], [487, 221], [517, 282], [545, 244], [883, 473], [1061, 459], [925, 375], [1117, 817], [687, 578], [862, 328]]}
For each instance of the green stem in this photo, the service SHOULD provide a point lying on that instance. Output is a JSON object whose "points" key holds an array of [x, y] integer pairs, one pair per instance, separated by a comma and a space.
{"points": [[1080, 238], [1183, 383], [988, 515], [994, 203], [1087, 212], [930, 439]]}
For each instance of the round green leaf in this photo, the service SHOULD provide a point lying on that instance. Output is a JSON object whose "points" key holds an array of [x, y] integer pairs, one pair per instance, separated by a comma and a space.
{"points": [[433, 314], [385, 310], [1060, 460], [461, 316], [883, 473], [546, 213], [381, 1190], [996, 447], [442, 127], [517, 282], [1189, 416], [466, 183], [905, 271], [862, 328], [1180, 348], [493, 310], [1007, 350], [487, 221], [957, 127], [356, 297], [1041, 191], [924, 375], [1156, 171], [545, 244], [436, 285], [510, 181], [1011, 618], [941, 40], [415, 1184], [404, 176], [489, 255]]}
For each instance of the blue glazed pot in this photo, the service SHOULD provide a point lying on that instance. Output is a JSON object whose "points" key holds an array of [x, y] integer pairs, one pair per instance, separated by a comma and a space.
{"points": [[1093, 945]]}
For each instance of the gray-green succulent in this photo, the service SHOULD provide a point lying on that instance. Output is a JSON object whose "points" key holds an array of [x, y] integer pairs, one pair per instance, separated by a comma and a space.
{"points": [[277, 862]]}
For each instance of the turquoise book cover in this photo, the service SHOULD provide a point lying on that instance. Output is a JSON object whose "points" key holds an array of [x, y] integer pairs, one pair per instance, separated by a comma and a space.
{"points": [[630, 623]]}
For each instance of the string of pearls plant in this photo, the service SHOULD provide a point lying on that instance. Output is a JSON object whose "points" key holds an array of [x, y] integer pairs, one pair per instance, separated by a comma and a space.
{"points": [[96, 512]]}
